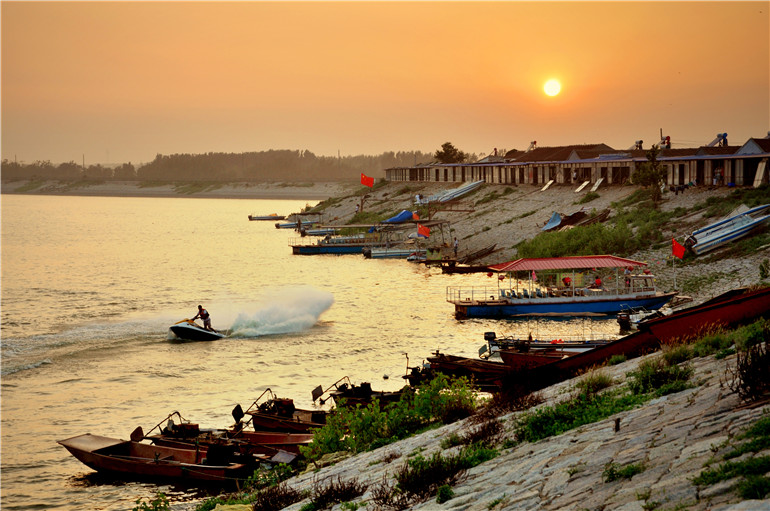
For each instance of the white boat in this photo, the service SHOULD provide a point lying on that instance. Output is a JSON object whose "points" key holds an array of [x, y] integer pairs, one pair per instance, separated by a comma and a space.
{"points": [[400, 252], [189, 330], [730, 229]]}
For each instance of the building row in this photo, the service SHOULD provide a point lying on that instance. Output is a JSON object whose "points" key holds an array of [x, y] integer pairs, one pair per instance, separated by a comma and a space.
{"points": [[715, 164]]}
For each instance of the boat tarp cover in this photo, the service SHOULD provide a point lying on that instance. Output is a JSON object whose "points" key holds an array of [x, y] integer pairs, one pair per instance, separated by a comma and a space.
{"points": [[566, 263], [553, 222], [401, 217]]}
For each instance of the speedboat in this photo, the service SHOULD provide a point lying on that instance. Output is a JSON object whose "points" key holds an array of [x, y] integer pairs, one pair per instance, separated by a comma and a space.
{"points": [[189, 330]]}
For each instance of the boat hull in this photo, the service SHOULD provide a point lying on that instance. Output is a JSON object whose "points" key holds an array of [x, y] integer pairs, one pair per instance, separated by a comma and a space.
{"points": [[140, 461], [327, 249], [192, 333], [567, 307]]}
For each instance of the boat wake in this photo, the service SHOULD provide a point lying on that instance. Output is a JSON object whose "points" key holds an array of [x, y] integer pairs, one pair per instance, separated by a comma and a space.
{"points": [[287, 311]]}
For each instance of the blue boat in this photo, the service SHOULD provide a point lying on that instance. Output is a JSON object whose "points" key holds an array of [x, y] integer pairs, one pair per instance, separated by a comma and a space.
{"points": [[562, 288], [349, 244], [730, 229]]}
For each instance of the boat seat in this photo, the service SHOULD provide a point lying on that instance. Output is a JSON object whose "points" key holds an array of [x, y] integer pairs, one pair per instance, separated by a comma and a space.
{"points": [[525, 294]]}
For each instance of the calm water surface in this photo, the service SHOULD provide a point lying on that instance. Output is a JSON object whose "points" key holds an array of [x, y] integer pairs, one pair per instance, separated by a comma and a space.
{"points": [[90, 286]]}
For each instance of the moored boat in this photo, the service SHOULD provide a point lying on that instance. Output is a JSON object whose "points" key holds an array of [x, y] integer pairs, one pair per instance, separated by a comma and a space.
{"points": [[561, 288], [138, 460], [272, 216], [280, 414], [730, 229], [344, 392]]}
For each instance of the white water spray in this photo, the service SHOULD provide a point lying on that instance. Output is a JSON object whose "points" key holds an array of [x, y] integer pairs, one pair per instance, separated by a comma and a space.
{"points": [[284, 311]]}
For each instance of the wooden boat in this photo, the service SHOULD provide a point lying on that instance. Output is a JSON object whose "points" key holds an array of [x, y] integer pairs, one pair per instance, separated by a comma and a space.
{"points": [[272, 216], [345, 393], [725, 231], [726, 310], [271, 447], [545, 294], [565, 346], [280, 414], [516, 360], [629, 319], [476, 255], [139, 460], [730, 309]]}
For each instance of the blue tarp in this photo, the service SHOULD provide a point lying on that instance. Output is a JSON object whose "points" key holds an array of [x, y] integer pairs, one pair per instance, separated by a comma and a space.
{"points": [[401, 217], [553, 222]]}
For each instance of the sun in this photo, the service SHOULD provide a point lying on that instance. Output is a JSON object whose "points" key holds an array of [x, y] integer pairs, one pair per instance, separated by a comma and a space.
{"points": [[552, 87]]}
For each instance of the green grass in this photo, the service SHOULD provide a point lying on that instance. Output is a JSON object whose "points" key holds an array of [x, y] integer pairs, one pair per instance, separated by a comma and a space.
{"points": [[614, 472], [30, 186]]}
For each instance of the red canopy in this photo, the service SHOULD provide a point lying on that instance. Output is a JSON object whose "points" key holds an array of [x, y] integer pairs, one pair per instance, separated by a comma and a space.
{"points": [[566, 263]]}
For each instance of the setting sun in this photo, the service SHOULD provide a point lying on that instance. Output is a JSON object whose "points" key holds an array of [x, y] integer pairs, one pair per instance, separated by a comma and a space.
{"points": [[552, 87]]}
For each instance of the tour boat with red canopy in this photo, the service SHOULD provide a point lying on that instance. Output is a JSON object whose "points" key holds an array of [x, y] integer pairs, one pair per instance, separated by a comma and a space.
{"points": [[561, 286]]}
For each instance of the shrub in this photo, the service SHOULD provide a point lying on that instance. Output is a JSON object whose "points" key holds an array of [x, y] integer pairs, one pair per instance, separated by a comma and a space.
{"points": [[366, 427], [444, 493], [333, 492], [751, 379], [655, 376], [276, 497], [613, 472]]}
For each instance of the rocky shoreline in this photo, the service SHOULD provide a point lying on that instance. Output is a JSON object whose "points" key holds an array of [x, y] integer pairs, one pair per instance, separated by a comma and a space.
{"points": [[672, 436]]}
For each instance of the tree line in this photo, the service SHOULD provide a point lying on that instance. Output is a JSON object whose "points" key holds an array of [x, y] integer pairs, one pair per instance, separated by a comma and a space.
{"points": [[272, 165]]}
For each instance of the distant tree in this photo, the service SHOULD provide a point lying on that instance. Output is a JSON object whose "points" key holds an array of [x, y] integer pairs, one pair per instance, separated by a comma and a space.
{"points": [[450, 154], [651, 174]]}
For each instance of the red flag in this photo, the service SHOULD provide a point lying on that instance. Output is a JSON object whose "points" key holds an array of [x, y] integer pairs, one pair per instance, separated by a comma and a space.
{"points": [[367, 181], [677, 249], [423, 231], [415, 216]]}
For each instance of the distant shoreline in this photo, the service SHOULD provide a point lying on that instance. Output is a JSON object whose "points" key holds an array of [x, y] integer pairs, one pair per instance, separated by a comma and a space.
{"points": [[286, 191]]}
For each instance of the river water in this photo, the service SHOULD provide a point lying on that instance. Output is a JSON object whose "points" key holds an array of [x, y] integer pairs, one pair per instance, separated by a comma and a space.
{"points": [[90, 286]]}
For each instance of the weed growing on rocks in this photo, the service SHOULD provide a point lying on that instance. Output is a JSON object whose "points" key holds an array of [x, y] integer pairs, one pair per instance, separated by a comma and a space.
{"points": [[614, 472], [333, 491]]}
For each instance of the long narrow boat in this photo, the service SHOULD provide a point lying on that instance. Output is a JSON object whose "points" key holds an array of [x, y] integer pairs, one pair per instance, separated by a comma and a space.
{"points": [[272, 216], [730, 229], [139, 460], [546, 293], [347, 244], [730, 309]]}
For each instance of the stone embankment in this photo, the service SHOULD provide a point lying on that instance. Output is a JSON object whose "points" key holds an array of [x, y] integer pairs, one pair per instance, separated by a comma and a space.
{"points": [[671, 437]]}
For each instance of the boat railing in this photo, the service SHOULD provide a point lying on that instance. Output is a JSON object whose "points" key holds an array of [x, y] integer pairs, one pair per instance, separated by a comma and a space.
{"points": [[457, 294]]}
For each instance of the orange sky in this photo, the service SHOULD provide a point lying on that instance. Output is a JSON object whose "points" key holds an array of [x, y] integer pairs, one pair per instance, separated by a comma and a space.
{"points": [[124, 81]]}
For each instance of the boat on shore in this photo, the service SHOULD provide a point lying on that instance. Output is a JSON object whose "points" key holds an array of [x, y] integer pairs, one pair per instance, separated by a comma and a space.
{"points": [[731, 309], [138, 460], [562, 345], [561, 288], [725, 231], [189, 330], [345, 393], [280, 414]]}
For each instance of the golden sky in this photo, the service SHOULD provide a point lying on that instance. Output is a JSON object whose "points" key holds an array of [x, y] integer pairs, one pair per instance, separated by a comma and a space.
{"points": [[112, 82]]}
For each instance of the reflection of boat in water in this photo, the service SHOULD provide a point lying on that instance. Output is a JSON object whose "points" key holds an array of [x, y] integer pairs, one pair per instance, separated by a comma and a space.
{"points": [[189, 330], [545, 293], [730, 229]]}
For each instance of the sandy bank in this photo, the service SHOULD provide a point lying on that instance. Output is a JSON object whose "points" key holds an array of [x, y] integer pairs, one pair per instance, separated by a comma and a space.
{"points": [[310, 191]]}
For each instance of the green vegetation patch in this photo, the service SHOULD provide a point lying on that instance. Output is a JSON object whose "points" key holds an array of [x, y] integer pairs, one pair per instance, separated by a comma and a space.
{"points": [[196, 187], [614, 472], [30, 186]]}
